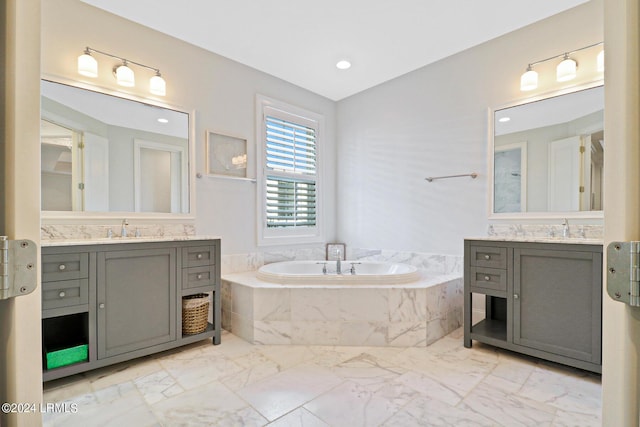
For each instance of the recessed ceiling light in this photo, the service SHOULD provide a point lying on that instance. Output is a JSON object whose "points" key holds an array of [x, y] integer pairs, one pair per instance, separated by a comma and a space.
{"points": [[343, 65], [504, 119], [161, 120]]}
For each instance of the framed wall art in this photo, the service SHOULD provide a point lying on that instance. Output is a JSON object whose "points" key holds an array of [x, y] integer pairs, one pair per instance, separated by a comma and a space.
{"points": [[226, 155]]}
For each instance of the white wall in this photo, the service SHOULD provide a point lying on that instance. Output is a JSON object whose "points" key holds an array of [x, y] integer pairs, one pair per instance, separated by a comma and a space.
{"points": [[433, 122], [221, 92]]}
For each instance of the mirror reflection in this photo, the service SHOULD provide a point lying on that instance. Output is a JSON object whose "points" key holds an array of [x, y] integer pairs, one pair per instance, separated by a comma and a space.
{"points": [[549, 154], [102, 153]]}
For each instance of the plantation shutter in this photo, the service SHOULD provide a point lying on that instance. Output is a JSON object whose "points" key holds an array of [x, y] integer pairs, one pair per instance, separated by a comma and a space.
{"points": [[291, 174]]}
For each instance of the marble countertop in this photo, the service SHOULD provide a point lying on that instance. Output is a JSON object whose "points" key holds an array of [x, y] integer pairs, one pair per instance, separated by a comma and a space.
{"points": [[116, 240], [542, 239]]}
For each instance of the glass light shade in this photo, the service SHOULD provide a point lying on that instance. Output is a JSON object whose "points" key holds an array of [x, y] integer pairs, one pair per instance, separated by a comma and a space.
{"points": [[600, 61], [124, 76], [157, 85], [529, 81], [566, 70], [87, 65]]}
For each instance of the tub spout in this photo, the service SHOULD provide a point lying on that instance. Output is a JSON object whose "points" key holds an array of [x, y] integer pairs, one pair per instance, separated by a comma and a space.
{"points": [[338, 261]]}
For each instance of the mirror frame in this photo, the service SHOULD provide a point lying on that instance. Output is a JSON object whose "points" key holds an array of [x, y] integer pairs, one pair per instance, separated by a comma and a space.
{"points": [[74, 216], [490, 161]]}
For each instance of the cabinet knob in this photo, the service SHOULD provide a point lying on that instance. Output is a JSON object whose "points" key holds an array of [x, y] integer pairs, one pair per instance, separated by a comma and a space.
{"points": [[62, 294], [62, 267], [101, 305], [487, 278], [199, 256], [516, 296], [199, 276], [487, 257]]}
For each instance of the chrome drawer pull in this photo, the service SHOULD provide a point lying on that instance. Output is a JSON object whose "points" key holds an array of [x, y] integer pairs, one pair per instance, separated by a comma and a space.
{"points": [[487, 257], [101, 305], [487, 278], [62, 267], [199, 276], [199, 256], [62, 294]]}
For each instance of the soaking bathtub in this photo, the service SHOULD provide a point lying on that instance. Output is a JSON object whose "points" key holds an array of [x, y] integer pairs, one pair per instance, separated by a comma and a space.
{"points": [[325, 272], [382, 304]]}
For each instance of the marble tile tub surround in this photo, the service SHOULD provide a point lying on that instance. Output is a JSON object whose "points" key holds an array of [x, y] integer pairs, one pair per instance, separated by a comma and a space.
{"points": [[382, 317], [241, 384], [407, 315], [93, 232]]}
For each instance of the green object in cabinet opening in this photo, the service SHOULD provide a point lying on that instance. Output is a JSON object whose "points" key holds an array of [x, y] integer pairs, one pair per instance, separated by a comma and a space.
{"points": [[67, 356]]}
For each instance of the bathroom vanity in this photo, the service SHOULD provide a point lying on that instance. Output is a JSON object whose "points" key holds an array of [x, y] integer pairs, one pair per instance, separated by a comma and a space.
{"points": [[543, 299], [122, 298]]}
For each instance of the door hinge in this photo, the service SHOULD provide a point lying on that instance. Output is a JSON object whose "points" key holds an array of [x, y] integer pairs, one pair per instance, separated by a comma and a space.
{"points": [[581, 189], [623, 272], [582, 150], [18, 272], [81, 186]]}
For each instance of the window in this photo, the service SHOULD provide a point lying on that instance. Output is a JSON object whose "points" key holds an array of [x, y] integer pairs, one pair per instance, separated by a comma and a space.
{"points": [[290, 189]]}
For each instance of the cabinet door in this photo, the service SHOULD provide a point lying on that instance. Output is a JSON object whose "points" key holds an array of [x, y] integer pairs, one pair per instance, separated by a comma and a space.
{"points": [[137, 295], [557, 302]]}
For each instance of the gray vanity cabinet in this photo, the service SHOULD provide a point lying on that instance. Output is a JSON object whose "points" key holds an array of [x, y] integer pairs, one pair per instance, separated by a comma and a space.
{"points": [[136, 299], [113, 302], [541, 299]]}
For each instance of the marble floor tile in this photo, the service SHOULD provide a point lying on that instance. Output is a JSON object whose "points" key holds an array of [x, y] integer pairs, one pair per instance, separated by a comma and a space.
{"points": [[284, 392], [352, 404], [208, 405], [299, 418], [242, 384]]}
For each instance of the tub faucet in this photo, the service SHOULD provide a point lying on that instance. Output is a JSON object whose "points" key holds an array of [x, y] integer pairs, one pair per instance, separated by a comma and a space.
{"points": [[353, 267], [123, 228]]}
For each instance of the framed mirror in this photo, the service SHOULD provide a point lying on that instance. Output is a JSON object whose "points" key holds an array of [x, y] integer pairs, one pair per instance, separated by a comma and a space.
{"points": [[103, 154], [547, 156]]}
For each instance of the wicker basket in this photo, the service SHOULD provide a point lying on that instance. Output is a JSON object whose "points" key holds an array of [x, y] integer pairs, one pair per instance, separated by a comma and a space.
{"points": [[195, 311]]}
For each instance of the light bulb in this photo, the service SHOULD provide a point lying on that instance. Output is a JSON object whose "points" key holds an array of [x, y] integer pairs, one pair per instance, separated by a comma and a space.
{"points": [[157, 85], [87, 65], [529, 80], [600, 61], [125, 76], [566, 70]]}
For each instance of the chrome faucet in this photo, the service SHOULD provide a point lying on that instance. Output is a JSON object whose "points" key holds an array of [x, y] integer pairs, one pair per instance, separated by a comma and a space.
{"points": [[338, 261], [123, 228], [565, 228]]}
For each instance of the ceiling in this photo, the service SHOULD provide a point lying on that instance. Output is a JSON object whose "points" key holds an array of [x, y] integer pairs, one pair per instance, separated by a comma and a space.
{"points": [[301, 41]]}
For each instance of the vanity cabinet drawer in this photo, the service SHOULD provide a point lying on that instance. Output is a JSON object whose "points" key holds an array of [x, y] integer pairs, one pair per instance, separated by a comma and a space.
{"points": [[196, 277], [489, 278], [65, 267], [65, 293], [198, 256], [487, 256]]}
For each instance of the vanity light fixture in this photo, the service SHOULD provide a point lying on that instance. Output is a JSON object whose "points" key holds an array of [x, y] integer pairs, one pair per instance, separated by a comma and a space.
{"points": [[88, 66], [529, 80], [124, 75], [565, 71]]}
